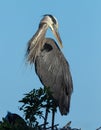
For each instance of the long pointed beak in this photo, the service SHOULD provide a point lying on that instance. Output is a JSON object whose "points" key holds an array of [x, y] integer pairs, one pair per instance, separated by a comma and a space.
{"points": [[56, 34]]}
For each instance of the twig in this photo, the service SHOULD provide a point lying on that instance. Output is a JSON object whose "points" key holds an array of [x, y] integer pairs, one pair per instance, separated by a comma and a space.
{"points": [[98, 128]]}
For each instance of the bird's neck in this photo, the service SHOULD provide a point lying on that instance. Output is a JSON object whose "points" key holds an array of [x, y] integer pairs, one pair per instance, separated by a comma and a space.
{"points": [[42, 30], [40, 34]]}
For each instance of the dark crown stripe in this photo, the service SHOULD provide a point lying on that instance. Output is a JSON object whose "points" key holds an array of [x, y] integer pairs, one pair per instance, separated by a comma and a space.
{"points": [[53, 19]]}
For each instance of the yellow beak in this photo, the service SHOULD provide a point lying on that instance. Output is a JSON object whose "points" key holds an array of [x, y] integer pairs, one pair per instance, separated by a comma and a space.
{"points": [[56, 34]]}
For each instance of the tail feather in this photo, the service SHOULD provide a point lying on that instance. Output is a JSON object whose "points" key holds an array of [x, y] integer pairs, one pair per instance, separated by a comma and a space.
{"points": [[64, 104]]}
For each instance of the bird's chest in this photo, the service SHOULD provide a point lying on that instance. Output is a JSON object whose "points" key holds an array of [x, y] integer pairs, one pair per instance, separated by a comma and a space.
{"points": [[44, 60], [45, 66]]}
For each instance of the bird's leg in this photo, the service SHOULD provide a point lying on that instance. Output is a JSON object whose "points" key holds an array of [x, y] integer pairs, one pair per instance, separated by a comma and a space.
{"points": [[45, 120], [53, 117]]}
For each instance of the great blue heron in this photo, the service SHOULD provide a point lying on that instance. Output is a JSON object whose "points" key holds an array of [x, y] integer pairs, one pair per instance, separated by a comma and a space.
{"points": [[51, 66]]}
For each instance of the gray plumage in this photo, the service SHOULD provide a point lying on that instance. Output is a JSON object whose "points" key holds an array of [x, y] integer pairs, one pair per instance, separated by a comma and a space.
{"points": [[50, 64]]}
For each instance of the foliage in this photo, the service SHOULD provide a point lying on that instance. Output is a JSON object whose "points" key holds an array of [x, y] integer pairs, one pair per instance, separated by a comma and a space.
{"points": [[34, 105], [18, 125]]}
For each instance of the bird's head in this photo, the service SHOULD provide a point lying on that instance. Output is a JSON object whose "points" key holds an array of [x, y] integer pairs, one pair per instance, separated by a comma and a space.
{"points": [[52, 23]]}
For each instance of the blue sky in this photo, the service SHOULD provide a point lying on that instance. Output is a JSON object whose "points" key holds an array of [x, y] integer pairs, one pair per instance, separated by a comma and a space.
{"points": [[80, 30]]}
